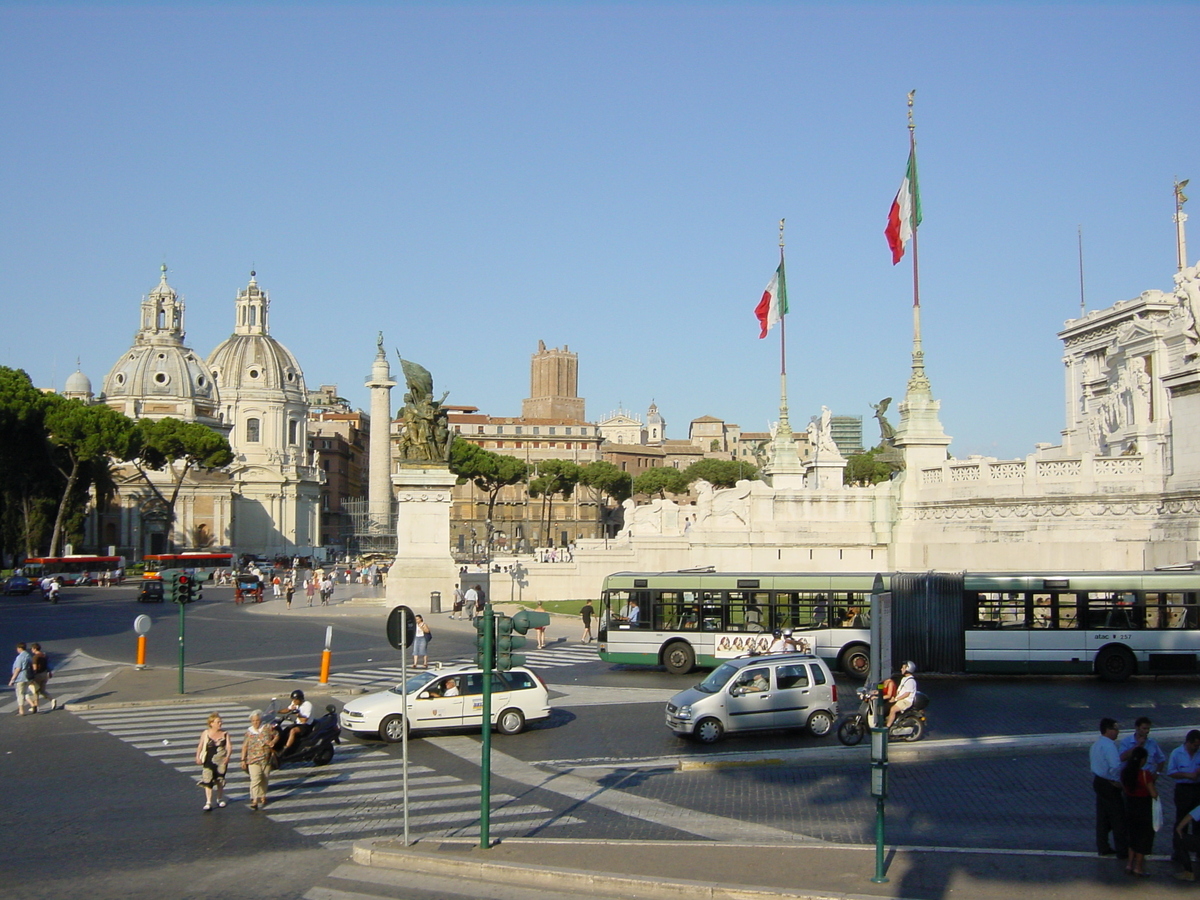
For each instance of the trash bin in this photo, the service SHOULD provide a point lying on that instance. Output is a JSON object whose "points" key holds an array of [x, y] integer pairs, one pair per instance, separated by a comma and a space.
{"points": [[435, 602]]}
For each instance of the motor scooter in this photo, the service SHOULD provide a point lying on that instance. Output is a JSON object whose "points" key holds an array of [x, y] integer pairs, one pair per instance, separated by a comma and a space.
{"points": [[316, 746], [909, 725]]}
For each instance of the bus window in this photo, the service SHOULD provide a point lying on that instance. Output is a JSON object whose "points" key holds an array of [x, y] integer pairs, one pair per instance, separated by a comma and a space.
{"points": [[667, 611], [1000, 610], [1066, 616], [1175, 610], [747, 611], [1043, 614], [1122, 611], [712, 611]]}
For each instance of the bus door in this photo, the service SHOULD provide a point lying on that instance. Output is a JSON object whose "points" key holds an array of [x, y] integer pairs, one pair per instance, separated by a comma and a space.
{"points": [[997, 638], [1056, 641]]}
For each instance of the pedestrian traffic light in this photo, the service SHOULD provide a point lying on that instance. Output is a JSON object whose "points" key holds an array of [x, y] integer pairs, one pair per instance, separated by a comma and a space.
{"points": [[482, 644], [526, 619], [170, 583], [506, 643]]}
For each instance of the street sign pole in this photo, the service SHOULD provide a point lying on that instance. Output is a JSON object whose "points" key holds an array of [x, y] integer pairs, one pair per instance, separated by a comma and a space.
{"points": [[181, 606], [881, 654], [485, 760]]}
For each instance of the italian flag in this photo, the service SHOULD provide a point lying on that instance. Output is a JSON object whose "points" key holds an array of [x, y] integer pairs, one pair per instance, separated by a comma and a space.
{"points": [[773, 305], [905, 214]]}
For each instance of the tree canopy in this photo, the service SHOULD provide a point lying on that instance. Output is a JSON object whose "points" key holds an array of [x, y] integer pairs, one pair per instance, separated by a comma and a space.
{"points": [[720, 473], [662, 481], [866, 469], [488, 471]]}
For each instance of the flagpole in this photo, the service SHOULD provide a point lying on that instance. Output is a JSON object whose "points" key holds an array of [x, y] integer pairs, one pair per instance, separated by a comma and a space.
{"points": [[918, 379], [782, 325]]}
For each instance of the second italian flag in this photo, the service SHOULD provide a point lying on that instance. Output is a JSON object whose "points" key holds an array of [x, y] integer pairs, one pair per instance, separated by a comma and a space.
{"points": [[773, 305]]}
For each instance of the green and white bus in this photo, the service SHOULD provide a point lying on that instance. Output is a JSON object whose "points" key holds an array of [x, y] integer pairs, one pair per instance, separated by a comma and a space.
{"points": [[1114, 624]]}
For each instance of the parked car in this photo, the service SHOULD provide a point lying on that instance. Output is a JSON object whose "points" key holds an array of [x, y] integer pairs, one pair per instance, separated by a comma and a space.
{"points": [[518, 696], [18, 584], [757, 693]]}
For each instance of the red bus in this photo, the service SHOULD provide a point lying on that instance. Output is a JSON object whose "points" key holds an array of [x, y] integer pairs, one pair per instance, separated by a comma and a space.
{"points": [[191, 562], [74, 569]]}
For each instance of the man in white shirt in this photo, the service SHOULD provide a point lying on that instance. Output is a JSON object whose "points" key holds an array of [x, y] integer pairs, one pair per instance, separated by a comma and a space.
{"points": [[1105, 761]]}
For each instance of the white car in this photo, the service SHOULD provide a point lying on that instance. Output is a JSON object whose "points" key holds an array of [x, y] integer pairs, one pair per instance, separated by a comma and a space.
{"points": [[518, 695]]}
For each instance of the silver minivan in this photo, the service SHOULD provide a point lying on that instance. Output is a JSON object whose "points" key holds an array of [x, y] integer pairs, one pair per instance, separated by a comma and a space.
{"points": [[755, 693]]}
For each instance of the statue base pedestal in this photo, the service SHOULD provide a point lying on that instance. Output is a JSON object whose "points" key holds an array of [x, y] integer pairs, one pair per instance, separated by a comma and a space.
{"points": [[423, 560], [826, 474]]}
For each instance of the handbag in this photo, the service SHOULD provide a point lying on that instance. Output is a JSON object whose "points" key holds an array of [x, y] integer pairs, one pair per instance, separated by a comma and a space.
{"points": [[1156, 813]]}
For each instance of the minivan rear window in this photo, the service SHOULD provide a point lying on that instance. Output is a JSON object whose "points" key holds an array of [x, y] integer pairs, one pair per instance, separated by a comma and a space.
{"points": [[795, 676], [818, 675]]}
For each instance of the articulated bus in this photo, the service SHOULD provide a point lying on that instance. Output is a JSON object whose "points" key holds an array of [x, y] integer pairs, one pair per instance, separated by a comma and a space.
{"points": [[190, 562], [1113, 624], [74, 569]]}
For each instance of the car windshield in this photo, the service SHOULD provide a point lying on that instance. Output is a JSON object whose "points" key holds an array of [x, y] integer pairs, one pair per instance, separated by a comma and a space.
{"points": [[414, 684], [714, 682]]}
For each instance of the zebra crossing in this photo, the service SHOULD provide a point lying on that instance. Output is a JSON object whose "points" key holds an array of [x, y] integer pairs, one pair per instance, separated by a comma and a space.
{"points": [[552, 657], [357, 796], [71, 677]]}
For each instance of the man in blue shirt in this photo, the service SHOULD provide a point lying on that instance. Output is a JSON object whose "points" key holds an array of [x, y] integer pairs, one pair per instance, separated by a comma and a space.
{"points": [[1155, 758], [1105, 761], [22, 680], [1183, 767]]}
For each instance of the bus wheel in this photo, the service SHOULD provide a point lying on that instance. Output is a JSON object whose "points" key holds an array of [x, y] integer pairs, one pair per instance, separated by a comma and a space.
{"points": [[856, 660], [679, 658], [1115, 664]]}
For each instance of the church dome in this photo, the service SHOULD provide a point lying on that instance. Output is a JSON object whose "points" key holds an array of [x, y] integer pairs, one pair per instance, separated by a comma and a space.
{"points": [[159, 376], [77, 384], [252, 363]]}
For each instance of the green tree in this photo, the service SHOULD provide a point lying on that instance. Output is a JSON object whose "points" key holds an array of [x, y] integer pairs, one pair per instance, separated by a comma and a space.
{"points": [[865, 468], [554, 477], [28, 481], [661, 480], [176, 446], [720, 473], [606, 480], [85, 438], [488, 471]]}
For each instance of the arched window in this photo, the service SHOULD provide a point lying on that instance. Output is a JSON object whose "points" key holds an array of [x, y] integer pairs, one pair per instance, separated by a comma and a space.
{"points": [[252, 431]]}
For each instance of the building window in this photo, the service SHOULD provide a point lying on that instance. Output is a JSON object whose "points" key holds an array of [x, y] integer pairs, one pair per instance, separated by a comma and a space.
{"points": [[252, 431], [293, 429], [568, 430], [537, 430], [552, 429], [499, 429], [458, 429], [518, 445], [519, 431], [481, 429]]}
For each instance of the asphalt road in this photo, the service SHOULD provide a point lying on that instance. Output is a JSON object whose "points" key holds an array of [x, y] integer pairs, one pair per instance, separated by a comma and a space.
{"points": [[92, 808]]}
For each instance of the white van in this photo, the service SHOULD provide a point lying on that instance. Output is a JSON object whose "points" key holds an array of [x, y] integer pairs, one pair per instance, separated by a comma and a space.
{"points": [[756, 693]]}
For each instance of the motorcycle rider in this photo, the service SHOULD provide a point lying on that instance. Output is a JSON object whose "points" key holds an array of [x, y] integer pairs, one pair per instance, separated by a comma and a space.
{"points": [[302, 710], [905, 693]]}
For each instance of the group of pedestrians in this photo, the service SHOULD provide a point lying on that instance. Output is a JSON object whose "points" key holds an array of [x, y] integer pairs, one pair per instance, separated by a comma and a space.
{"points": [[258, 759], [30, 678], [1125, 773]]}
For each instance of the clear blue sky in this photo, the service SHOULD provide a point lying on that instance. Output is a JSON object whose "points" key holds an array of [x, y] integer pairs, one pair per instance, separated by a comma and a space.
{"points": [[470, 178]]}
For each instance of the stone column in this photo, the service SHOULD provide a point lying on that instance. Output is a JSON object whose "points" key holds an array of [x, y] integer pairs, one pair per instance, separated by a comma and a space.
{"points": [[379, 478]]}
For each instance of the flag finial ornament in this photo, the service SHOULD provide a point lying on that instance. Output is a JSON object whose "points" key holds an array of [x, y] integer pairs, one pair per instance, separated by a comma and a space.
{"points": [[781, 221]]}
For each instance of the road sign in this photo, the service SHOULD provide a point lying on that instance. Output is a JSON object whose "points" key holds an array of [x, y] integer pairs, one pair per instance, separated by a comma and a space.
{"points": [[401, 618], [142, 624]]}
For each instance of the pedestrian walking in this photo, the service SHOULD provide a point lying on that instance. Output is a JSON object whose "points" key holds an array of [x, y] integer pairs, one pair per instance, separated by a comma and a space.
{"points": [[471, 601], [326, 590], [586, 614], [1105, 762], [22, 680], [310, 588], [420, 647], [212, 756], [459, 602], [1183, 768], [258, 757], [289, 591], [541, 629], [276, 587], [41, 676]]}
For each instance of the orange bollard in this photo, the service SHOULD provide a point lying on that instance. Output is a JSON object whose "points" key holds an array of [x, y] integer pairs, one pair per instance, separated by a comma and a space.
{"points": [[326, 655], [141, 651]]}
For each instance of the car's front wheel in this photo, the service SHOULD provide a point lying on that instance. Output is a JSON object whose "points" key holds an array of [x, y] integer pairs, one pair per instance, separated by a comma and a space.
{"points": [[709, 731], [392, 728]]}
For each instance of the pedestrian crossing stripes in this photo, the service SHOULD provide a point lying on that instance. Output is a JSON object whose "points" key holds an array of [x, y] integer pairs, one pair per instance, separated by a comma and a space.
{"points": [[359, 795], [555, 657], [71, 677]]}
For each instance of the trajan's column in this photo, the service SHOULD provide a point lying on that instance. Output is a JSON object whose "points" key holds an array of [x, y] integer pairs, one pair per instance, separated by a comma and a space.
{"points": [[379, 486]]}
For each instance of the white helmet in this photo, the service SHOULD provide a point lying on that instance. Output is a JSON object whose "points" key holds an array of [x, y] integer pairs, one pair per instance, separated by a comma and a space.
{"points": [[910, 667]]}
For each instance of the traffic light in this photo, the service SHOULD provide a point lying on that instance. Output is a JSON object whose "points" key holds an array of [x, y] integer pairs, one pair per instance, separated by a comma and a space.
{"points": [[198, 585], [183, 588], [506, 643], [170, 583], [526, 619], [481, 644]]}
